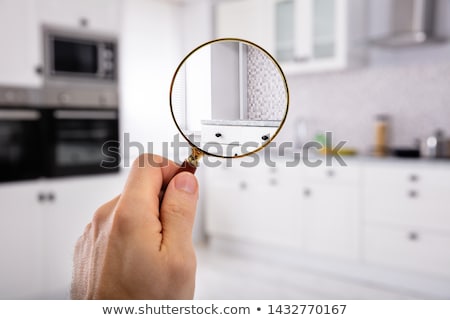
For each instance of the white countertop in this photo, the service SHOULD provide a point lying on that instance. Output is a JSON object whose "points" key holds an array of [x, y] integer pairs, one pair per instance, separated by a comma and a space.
{"points": [[243, 123]]}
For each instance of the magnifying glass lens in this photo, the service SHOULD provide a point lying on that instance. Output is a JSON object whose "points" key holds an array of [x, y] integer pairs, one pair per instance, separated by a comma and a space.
{"points": [[229, 98]]}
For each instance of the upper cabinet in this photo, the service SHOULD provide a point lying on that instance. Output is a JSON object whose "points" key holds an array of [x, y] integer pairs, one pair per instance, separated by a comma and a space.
{"points": [[98, 15], [303, 35], [19, 54], [21, 32]]}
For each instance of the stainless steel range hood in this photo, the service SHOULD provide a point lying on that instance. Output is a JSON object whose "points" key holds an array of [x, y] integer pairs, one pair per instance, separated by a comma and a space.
{"points": [[412, 23]]}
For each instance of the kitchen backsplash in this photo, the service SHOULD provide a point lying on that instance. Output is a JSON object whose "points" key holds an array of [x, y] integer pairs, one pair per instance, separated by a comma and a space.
{"points": [[416, 98], [266, 94]]}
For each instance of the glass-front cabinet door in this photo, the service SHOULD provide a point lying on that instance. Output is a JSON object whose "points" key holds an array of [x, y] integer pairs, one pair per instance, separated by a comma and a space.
{"points": [[303, 35]]}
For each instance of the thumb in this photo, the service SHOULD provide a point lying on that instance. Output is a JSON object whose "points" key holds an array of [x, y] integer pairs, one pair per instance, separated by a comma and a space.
{"points": [[178, 211]]}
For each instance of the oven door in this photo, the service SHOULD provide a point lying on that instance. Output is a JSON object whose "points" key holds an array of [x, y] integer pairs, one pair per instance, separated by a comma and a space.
{"points": [[84, 142], [20, 144]]}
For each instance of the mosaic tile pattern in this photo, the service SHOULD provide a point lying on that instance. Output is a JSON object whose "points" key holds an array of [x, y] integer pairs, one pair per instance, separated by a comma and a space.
{"points": [[266, 94]]}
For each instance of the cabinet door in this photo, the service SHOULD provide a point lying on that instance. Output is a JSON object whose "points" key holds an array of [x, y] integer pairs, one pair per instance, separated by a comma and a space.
{"points": [[304, 35], [247, 19], [100, 15], [331, 221], [407, 196], [253, 204], [20, 241], [74, 202], [19, 36], [408, 249]]}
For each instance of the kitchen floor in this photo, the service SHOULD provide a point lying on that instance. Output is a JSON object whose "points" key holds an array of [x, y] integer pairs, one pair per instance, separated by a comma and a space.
{"points": [[222, 275]]}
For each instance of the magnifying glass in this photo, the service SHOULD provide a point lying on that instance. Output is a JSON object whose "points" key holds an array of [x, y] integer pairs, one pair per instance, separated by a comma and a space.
{"points": [[229, 98]]}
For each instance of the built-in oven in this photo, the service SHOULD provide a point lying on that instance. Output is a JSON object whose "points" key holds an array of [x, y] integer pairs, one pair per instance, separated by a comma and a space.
{"points": [[21, 143], [82, 141]]}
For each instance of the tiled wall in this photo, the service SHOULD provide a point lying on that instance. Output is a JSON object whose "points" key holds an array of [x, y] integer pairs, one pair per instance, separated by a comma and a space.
{"points": [[416, 97], [266, 93]]}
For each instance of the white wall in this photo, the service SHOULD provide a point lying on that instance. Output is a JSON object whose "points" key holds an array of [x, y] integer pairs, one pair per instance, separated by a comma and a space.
{"points": [[150, 52]]}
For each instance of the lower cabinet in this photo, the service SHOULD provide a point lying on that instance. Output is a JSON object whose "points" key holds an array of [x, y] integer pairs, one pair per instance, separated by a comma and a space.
{"points": [[40, 224], [410, 249], [406, 222], [331, 223], [387, 218], [284, 206], [20, 241], [258, 209]]}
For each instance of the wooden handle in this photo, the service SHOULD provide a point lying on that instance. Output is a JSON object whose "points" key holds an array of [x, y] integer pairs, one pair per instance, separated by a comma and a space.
{"points": [[186, 166]]}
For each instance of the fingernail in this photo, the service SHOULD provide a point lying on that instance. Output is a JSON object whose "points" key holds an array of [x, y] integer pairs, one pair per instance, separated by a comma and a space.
{"points": [[186, 182]]}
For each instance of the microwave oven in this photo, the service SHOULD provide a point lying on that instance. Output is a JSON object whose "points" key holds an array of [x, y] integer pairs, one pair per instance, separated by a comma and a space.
{"points": [[71, 55]]}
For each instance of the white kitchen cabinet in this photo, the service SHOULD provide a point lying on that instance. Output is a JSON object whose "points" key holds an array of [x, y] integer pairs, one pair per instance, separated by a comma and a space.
{"points": [[331, 220], [386, 219], [98, 15], [303, 35], [21, 32], [20, 43], [234, 139], [39, 225], [411, 249], [64, 219], [20, 241], [406, 225], [283, 206], [407, 195], [253, 204]]}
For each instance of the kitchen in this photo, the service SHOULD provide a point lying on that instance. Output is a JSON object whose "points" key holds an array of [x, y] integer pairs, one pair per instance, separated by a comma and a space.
{"points": [[377, 228]]}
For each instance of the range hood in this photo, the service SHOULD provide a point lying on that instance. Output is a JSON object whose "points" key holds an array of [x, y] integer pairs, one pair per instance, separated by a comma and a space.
{"points": [[412, 23]]}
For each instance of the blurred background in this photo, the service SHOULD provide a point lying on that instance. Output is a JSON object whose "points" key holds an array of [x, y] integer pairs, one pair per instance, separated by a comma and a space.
{"points": [[77, 74]]}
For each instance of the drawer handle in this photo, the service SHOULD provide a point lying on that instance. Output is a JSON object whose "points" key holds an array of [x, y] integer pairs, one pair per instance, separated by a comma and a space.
{"points": [[218, 134], [331, 173], [413, 194], [265, 137], [414, 178], [243, 185], [51, 197], [413, 236], [41, 197], [307, 192], [273, 182]]}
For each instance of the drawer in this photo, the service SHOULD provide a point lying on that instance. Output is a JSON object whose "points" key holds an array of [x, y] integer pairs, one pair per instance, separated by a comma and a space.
{"points": [[408, 249], [406, 203], [237, 135], [409, 175], [330, 174]]}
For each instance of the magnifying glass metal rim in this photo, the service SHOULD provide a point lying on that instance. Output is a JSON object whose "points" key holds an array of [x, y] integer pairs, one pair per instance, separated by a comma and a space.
{"points": [[197, 151]]}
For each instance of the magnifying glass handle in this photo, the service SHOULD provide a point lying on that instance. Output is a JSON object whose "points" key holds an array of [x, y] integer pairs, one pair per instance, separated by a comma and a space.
{"points": [[186, 166], [191, 163]]}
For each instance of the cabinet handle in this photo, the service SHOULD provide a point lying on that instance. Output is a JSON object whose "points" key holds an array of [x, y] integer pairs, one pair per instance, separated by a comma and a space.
{"points": [[51, 197], [413, 236], [41, 197], [413, 194], [84, 22], [218, 134], [243, 185], [39, 70], [307, 192], [273, 182], [414, 178], [265, 137], [331, 173]]}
